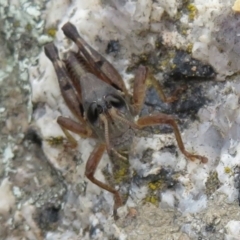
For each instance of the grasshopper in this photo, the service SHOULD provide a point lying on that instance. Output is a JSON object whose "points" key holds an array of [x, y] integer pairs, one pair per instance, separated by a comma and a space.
{"points": [[96, 94]]}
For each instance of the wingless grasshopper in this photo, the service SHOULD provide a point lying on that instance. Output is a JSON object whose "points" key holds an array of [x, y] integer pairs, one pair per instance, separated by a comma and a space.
{"points": [[95, 93]]}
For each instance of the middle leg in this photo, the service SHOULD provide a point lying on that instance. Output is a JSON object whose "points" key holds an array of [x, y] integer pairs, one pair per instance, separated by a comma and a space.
{"points": [[143, 80], [169, 120]]}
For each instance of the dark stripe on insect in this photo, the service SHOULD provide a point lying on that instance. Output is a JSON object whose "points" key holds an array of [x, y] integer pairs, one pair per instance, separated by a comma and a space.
{"points": [[67, 86], [99, 63], [81, 108]]}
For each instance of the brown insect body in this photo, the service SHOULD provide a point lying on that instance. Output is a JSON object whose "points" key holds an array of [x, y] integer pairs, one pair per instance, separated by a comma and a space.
{"points": [[102, 96], [96, 94]]}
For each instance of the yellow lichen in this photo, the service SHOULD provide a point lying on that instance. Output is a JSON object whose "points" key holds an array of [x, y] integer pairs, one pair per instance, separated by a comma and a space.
{"points": [[51, 32], [192, 11], [189, 48], [155, 185], [184, 32], [152, 199], [55, 141], [143, 57], [120, 169], [227, 170], [120, 174], [152, 186]]}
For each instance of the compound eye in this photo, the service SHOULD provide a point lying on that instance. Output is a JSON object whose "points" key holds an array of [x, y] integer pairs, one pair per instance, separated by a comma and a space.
{"points": [[115, 101], [93, 112]]}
